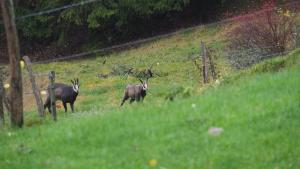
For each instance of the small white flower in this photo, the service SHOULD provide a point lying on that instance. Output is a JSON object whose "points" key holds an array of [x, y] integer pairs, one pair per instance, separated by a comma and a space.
{"points": [[9, 134], [217, 82], [44, 92], [157, 63], [193, 105], [6, 86], [22, 64]]}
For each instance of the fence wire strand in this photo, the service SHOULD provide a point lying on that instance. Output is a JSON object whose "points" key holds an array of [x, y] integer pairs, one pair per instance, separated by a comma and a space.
{"points": [[44, 12]]}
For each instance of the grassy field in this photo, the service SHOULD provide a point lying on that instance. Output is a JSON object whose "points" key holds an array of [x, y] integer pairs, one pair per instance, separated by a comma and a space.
{"points": [[258, 112], [257, 108], [172, 58]]}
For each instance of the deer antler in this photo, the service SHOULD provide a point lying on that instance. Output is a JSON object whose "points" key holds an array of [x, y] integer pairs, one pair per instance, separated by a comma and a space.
{"points": [[140, 80]]}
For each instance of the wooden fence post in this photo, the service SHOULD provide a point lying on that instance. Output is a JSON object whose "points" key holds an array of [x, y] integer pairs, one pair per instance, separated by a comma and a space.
{"points": [[1, 98], [16, 92], [36, 90], [204, 62], [211, 64], [52, 95]]}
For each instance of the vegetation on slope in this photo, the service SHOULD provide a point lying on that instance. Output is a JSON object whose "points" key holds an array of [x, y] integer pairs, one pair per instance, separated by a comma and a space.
{"points": [[110, 22], [257, 108], [258, 112], [173, 59]]}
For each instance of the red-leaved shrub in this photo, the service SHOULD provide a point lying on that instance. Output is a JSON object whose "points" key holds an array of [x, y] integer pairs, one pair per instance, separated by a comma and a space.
{"points": [[269, 31]]}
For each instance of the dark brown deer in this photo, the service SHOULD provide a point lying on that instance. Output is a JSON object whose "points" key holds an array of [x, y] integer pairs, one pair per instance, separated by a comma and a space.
{"points": [[65, 93]]}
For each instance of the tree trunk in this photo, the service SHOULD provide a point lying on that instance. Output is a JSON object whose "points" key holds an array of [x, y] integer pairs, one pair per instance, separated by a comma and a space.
{"points": [[16, 93], [1, 98]]}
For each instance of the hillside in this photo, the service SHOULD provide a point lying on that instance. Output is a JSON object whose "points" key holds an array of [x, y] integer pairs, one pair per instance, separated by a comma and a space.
{"points": [[258, 110], [173, 59]]}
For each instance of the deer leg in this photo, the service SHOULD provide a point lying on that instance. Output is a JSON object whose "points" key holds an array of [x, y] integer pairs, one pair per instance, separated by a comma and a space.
{"points": [[47, 104], [137, 98], [131, 100], [49, 108], [65, 106], [123, 101], [72, 106]]}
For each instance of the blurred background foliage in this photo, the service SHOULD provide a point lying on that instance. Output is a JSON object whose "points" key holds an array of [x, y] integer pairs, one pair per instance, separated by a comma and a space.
{"points": [[108, 22]]}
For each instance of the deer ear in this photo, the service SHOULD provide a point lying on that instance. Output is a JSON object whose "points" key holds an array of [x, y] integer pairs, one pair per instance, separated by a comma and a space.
{"points": [[72, 82], [77, 81]]}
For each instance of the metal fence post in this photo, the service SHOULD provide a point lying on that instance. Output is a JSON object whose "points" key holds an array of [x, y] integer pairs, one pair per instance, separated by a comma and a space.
{"points": [[52, 95]]}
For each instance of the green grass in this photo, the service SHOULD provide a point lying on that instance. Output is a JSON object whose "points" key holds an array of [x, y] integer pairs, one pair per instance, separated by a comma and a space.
{"points": [[258, 109], [274, 65], [259, 114], [172, 58]]}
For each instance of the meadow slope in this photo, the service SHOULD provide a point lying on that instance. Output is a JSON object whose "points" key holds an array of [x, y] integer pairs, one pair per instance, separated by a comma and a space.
{"points": [[258, 110], [172, 58]]}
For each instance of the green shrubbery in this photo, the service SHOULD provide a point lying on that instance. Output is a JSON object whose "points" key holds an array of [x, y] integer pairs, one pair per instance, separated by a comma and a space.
{"points": [[109, 22]]}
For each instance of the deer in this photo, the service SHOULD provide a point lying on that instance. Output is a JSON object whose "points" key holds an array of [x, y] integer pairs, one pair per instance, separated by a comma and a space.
{"points": [[135, 92], [65, 93]]}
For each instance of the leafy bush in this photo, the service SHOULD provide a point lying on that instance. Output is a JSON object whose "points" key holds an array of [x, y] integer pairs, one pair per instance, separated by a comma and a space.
{"points": [[106, 20]]}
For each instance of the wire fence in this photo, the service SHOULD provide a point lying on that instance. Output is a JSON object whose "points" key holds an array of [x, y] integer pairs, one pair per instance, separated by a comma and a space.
{"points": [[255, 55], [239, 58], [180, 87], [120, 70], [50, 11]]}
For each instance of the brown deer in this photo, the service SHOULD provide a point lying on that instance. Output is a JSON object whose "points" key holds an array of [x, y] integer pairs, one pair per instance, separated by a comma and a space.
{"points": [[135, 92]]}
